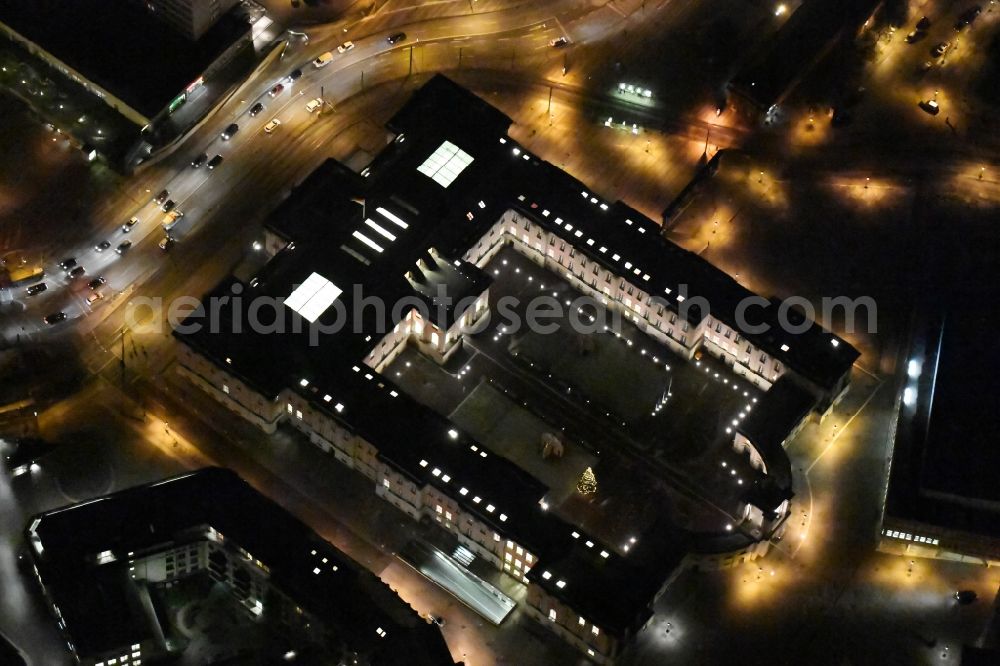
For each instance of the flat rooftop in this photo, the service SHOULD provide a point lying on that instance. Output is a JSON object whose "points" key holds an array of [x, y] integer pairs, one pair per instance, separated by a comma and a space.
{"points": [[945, 458], [120, 47], [95, 599]]}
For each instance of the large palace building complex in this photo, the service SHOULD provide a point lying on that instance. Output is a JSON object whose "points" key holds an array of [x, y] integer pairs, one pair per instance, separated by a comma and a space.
{"points": [[448, 193]]}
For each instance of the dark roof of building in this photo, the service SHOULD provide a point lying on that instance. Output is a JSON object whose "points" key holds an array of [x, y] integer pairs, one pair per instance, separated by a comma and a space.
{"points": [[10, 655], [94, 599], [322, 221], [774, 70], [945, 460], [779, 411], [121, 47]]}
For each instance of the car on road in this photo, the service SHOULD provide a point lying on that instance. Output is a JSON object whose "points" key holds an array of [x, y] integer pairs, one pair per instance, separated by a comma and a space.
{"points": [[967, 17], [314, 104], [168, 205], [559, 42], [294, 75], [93, 297], [102, 246], [271, 126], [323, 60], [396, 37], [214, 162], [170, 219], [76, 272], [276, 90], [67, 264], [127, 227], [345, 47], [940, 49], [161, 197], [166, 242], [97, 282], [54, 318], [198, 161], [21, 456], [230, 131], [965, 597], [37, 288], [930, 106], [840, 118], [123, 247], [255, 109]]}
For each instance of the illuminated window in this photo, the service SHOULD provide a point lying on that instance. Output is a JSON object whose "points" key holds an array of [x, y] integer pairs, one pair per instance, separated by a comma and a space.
{"points": [[594, 630], [552, 614]]}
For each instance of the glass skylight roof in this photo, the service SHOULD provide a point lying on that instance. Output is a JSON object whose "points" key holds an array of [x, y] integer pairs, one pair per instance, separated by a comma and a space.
{"points": [[445, 164], [313, 297]]}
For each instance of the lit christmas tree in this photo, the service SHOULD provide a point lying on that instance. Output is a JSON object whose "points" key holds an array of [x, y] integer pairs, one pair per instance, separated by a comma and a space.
{"points": [[587, 485]]}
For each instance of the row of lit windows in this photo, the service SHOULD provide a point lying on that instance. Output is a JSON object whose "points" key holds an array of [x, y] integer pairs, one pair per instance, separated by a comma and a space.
{"points": [[124, 659], [910, 537]]}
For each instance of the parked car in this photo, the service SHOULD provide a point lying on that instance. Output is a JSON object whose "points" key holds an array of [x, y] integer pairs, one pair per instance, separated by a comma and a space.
{"points": [[67, 264], [214, 162], [102, 246], [314, 104], [323, 60], [345, 47], [198, 161], [37, 288], [255, 109], [161, 197], [940, 49], [965, 597], [127, 227], [97, 282], [124, 247], [396, 37], [559, 42], [967, 17], [230, 131], [271, 126], [930, 106], [923, 24], [276, 90], [54, 318], [915, 36]]}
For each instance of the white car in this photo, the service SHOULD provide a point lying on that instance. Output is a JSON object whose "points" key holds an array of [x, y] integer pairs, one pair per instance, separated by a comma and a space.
{"points": [[323, 60], [314, 104], [345, 47], [271, 126]]}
